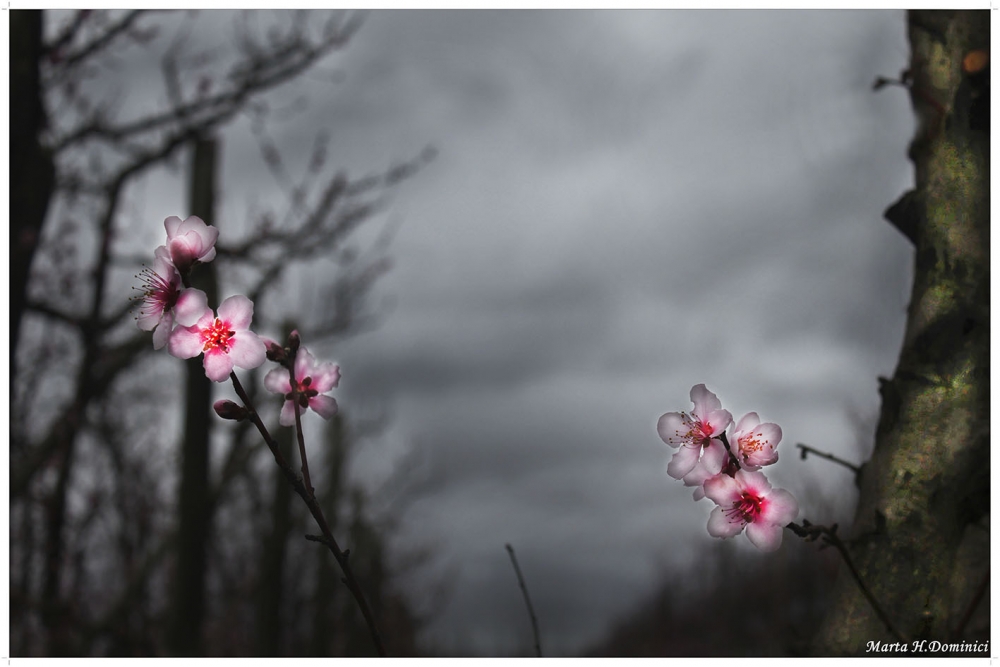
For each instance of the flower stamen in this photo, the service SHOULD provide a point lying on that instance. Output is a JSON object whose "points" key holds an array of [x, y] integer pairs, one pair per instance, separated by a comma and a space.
{"points": [[217, 336]]}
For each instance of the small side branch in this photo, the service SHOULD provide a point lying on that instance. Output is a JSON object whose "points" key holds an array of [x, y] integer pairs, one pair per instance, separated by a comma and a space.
{"points": [[811, 532], [527, 600], [310, 500], [806, 450]]}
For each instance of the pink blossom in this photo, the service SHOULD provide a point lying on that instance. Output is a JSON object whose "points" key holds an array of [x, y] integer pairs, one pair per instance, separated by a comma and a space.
{"points": [[190, 241], [226, 340], [747, 500], [713, 461], [691, 433], [164, 301], [312, 381], [753, 443]]}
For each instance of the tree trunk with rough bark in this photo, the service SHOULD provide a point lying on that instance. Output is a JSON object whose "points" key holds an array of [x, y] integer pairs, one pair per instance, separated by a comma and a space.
{"points": [[920, 538]]}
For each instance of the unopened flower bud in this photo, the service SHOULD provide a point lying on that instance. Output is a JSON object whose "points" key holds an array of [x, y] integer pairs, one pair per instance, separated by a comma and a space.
{"points": [[229, 410], [274, 351], [293, 342]]}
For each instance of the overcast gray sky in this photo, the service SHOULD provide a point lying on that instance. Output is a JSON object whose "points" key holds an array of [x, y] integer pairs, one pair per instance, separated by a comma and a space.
{"points": [[624, 204]]}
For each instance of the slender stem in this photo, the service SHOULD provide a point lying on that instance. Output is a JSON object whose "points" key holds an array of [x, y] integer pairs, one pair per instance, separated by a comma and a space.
{"points": [[527, 600], [314, 508], [298, 434], [806, 449], [732, 457], [810, 532]]}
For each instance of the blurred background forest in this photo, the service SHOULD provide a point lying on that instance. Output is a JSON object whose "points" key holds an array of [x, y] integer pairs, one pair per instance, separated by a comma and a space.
{"points": [[143, 525], [121, 543]]}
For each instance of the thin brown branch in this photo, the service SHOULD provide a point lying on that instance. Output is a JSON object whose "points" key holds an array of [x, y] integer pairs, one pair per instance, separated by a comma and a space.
{"points": [[208, 111], [54, 313], [103, 40], [527, 600], [68, 33], [310, 500], [298, 432], [806, 450], [810, 532]]}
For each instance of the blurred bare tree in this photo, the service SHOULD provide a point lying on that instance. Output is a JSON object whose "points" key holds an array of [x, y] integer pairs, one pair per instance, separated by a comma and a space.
{"points": [[105, 559]]}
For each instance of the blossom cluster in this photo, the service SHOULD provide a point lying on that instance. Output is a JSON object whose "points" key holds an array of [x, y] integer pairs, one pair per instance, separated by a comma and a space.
{"points": [[182, 321], [725, 468]]}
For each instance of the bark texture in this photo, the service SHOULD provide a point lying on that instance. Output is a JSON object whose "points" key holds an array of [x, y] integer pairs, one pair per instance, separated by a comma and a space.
{"points": [[924, 497]]}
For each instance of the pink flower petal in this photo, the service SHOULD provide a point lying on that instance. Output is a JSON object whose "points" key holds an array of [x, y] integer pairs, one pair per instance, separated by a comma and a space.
{"points": [[218, 365], [753, 482], [714, 456], [189, 241], [163, 331], [148, 319], [704, 400], [779, 508], [747, 422], [771, 432], [190, 306], [325, 377], [185, 343], [171, 224], [237, 311], [206, 320], [764, 536], [304, 364], [683, 461], [723, 490], [325, 406], [191, 223], [671, 428], [717, 421], [276, 381], [722, 525], [181, 252], [287, 417], [246, 350]]}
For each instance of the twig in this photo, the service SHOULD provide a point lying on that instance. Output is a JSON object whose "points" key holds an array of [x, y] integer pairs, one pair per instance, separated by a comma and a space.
{"points": [[806, 450], [298, 432], [314, 508], [732, 457], [527, 601], [87, 50], [810, 532]]}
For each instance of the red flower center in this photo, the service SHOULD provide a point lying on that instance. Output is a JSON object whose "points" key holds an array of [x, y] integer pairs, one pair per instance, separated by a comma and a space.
{"points": [[746, 509], [304, 391], [217, 336]]}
